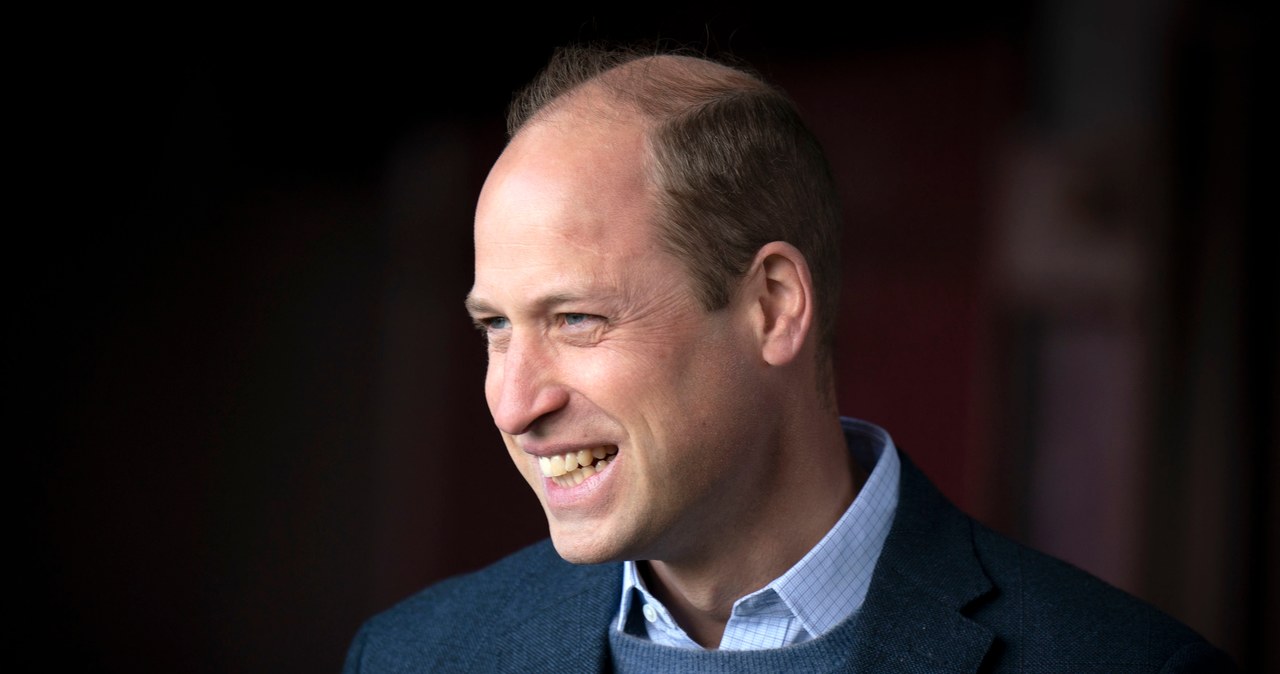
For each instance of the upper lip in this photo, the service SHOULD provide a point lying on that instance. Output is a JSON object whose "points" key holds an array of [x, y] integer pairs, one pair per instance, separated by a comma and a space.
{"points": [[557, 448]]}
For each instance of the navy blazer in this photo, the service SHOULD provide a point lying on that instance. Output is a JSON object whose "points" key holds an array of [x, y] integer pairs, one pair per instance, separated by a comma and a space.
{"points": [[947, 594]]}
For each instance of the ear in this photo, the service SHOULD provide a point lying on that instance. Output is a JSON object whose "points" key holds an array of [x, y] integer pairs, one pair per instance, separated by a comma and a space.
{"points": [[782, 297]]}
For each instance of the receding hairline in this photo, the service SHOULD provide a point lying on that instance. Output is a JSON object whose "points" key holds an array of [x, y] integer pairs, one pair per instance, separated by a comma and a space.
{"points": [[656, 86]]}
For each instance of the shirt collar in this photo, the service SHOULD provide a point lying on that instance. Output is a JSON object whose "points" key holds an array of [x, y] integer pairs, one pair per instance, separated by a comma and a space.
{"points": [[830, 582]]}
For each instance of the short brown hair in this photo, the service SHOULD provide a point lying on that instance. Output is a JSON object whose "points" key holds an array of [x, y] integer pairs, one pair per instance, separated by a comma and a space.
{"points": [[735, 166]]}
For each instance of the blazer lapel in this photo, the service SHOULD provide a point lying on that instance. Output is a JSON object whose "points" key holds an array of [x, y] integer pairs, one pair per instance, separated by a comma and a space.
{"points": [[927, 573]]}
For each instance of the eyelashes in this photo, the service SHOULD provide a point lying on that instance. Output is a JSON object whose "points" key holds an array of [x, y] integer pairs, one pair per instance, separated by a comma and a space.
{"points": [[576, 320]]}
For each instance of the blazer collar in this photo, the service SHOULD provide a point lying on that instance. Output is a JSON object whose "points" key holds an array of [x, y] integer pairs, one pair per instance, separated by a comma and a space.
{"points": [[926, 574]]}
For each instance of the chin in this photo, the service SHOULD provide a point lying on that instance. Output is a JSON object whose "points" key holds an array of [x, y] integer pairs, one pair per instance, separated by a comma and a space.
{"points": [[577, 549]]}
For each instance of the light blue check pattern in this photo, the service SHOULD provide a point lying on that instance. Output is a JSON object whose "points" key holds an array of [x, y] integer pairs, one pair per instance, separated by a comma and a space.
{"points": [[826, 586]]}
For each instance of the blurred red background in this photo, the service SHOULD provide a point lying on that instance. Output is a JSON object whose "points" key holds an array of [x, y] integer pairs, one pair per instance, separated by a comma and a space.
{"points": [[257, 401]]}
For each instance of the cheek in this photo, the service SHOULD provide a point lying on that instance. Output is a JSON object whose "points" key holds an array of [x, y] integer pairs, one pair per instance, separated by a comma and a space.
{"points": [[716, 385]]}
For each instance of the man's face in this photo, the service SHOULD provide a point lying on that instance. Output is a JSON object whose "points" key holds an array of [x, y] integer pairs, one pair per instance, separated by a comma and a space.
{"points": [[598, 348]]}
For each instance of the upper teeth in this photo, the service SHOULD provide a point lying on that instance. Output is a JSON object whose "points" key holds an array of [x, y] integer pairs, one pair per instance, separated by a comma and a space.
{"points": [[555, 466]]}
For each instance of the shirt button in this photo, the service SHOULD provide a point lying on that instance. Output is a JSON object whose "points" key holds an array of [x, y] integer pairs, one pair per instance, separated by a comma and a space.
{"points": [[650, 614]]}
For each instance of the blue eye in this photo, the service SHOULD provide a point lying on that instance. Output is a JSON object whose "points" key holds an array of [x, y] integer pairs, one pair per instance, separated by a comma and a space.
{"points": [[576, 319], [496, 323]]}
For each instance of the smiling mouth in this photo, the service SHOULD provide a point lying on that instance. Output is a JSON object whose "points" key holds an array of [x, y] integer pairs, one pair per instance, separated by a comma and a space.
{"points": [[571, 468]]}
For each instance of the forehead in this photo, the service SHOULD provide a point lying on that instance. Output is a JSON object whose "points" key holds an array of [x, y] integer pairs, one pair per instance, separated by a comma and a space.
{"points": [[571, 194], [593, 156]]}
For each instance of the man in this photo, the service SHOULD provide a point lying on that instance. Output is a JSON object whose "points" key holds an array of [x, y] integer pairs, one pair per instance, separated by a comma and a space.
{"points": [[656, 275]]}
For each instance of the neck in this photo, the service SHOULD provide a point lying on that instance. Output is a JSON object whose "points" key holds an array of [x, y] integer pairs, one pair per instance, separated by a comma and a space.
{"points": [[812, 487]]}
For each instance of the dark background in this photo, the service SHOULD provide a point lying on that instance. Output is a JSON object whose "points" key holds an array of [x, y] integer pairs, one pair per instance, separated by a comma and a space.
{"points": [[254, 401]]}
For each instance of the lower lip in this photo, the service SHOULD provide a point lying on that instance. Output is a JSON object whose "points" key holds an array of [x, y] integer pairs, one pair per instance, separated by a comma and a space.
{"points": [[581, 494]]}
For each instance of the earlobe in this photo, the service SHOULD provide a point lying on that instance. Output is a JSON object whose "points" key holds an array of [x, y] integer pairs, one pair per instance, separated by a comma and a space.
{"points": [[784, 297]]}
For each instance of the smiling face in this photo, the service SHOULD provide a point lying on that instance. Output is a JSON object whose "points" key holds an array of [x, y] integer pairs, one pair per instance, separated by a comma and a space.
{"points": [[598, 348]]}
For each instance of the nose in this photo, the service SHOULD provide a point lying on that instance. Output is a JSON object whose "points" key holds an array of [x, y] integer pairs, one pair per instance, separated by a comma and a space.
{"points": [[523, 385]]}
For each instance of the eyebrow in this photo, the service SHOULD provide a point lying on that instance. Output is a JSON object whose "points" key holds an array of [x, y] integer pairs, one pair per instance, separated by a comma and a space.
{"points": [[476, 306]]}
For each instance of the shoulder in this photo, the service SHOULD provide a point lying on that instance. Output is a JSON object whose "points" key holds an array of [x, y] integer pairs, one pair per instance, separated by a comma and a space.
{"points": [[1030, 609], [498, 586], [1046, 610], [457, 624]]}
